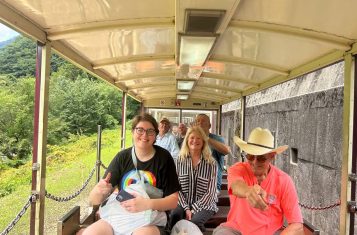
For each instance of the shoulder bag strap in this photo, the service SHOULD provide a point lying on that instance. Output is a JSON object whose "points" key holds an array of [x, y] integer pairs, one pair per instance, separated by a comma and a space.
{"points": [[135, 162]]}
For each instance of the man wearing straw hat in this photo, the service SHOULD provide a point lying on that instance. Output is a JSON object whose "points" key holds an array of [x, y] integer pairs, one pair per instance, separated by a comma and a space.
{"points": [[261, 195]]}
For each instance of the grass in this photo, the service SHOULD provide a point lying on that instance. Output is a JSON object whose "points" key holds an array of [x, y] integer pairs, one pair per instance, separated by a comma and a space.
{"points": [[68, 167]]}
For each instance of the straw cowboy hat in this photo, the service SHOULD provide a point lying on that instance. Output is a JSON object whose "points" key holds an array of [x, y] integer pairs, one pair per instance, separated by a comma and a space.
{"points": [[260, 142]]}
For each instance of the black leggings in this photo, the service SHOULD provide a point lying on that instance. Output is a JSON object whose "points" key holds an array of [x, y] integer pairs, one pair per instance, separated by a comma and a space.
{"points": [[200, 218]]}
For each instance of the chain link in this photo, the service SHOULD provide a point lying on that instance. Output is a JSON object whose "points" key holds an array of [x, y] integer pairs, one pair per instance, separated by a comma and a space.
{"points": [[320, 208], [33, 198], [65, 199], [18, 216], [102, 165]]}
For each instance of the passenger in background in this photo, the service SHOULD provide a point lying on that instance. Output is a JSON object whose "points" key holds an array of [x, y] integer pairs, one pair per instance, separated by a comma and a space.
{"points": [[216, 143], [166, 139], [197, 173], [261, 195], [182, 129], [175, 130]]}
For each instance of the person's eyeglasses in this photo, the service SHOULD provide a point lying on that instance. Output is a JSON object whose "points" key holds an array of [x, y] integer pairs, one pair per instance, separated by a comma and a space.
{"points": [[260, 158], [141, 131]]}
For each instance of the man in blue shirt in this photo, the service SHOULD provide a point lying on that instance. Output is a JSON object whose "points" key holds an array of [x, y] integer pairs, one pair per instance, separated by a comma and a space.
{"points": [[166, 139], [216, 143]]}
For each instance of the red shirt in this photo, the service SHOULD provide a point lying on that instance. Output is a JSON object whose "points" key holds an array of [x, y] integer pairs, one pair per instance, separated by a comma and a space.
{"points": [[282, 199]]}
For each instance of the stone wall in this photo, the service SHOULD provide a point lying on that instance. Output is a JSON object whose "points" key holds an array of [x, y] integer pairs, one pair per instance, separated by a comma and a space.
{"points": [[309, 120]]}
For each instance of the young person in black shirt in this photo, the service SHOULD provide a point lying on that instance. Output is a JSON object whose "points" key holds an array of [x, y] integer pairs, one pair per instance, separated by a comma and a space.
{"points": [[156, 166]]}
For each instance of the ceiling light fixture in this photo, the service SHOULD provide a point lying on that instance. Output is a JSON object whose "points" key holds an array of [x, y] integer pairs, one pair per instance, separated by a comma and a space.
{"points": [[185, 85], [181, 96], [194, 49]]}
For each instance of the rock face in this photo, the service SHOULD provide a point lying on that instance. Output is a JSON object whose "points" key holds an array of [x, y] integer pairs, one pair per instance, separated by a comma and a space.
{"points": [[305, 113]]}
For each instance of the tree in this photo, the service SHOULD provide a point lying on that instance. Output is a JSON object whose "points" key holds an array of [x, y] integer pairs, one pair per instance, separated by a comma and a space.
{"points": [[16, 117], [18, 59]]}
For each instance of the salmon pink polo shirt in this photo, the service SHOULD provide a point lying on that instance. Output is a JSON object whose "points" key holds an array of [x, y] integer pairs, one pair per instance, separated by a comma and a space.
{"points": [[282, 200]]}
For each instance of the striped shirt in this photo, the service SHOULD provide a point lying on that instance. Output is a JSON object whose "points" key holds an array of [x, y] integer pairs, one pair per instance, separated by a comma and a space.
{"points": [[198, 186]]}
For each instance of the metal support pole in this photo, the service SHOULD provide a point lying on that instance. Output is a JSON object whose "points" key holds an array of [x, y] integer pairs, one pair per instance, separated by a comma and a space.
{"points": [[354, 151], [99, 148], [123, 120], [242, 120], [40, 137], [347, 144], [219, 120]]}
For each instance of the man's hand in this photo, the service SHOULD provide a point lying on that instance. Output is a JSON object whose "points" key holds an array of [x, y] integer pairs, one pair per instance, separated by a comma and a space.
{"points": [[255, 196]]}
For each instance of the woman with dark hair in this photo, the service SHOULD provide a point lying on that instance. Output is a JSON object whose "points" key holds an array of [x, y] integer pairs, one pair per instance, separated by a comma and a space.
{"points": [[147, 161], [197, 172]]}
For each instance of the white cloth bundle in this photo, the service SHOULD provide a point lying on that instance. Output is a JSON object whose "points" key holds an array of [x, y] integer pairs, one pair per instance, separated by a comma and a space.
{"points": [[124, 222]]}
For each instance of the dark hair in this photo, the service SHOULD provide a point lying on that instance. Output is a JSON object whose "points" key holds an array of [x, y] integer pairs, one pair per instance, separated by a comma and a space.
{"points": [[145, 117]]}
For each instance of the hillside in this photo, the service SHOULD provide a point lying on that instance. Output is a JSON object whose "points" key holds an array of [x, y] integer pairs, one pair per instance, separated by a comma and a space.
{"points": [[68, 167], [4, 43]]}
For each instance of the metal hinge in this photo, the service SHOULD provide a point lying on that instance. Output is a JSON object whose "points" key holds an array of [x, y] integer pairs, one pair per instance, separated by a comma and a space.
{"points": [[35, 166], [352, 206], [35, 195]]}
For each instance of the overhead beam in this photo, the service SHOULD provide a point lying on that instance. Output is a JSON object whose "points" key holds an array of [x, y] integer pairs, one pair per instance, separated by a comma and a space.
{"points": [[131, 59], [217, 87], [145, 90], [163, 95], [76, 59], [151, 84], [200, 92], [21, 24], [337, 42], [208, 97], [254, 63], [77, 29], [228, 78], [161, 74]]}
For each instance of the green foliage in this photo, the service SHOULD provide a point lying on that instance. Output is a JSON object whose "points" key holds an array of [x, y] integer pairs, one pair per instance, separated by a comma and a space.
{"points": [[68, 166], [16, 115], [82, 104], [18, 59], [78, 102]]}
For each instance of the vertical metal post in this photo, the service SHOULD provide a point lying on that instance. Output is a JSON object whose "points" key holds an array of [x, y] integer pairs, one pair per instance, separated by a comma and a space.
{"points": [[219, 119], [123, 120], [242, 120], [40, 137], [347, 145], [354, 148], [99, 148], [180, 116]]}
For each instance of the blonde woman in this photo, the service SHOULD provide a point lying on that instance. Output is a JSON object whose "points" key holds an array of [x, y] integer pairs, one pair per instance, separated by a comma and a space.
{"points": [[197, 172]]}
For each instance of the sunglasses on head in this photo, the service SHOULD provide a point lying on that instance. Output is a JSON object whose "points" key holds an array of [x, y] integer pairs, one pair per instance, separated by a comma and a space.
{"points": [[260, 158]]}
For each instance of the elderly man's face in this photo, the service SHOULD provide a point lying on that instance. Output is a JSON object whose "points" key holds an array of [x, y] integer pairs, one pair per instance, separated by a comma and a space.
{"points": [[164, 127], [182, 129], [203, 122], [260, 163]]}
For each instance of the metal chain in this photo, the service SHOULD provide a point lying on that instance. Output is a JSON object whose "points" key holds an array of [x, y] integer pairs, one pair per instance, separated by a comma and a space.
{"points": [[11, 225], [65, 199], [102, 165], [320, 208], [33, 198]]}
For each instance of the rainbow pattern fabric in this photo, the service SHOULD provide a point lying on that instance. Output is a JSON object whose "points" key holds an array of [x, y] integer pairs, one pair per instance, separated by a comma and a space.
{"points": [[132, 178]]}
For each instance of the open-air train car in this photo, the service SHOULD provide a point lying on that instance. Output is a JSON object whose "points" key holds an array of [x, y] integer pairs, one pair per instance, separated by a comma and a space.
{"points": [[194, 54]]}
